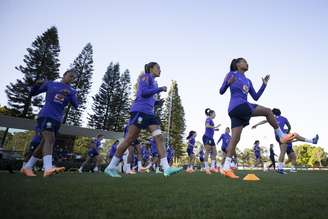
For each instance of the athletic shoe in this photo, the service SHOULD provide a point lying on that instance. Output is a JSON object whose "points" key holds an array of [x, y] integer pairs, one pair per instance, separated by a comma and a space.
{"points": [[172, 170], [230, 174], [60, 169], [281, 171], [189, 170], [288, 138], [293, 170], [112, 172], [315, 139], [132, 172], [221, 171], [80, 170], [27, 172], [158, 171], [208, 172], [214, 170], [49, 172]]}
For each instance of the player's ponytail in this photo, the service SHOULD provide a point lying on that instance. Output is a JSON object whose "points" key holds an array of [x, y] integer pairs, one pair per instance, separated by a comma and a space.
{"points": [[208, 112], [191, 133]]}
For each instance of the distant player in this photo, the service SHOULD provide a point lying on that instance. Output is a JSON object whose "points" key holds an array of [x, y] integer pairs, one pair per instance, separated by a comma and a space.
{"points": [[93, 153], [190, 151]]}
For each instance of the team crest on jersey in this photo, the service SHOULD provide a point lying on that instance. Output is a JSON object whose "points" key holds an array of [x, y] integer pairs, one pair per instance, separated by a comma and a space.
{"points": [[140, 119], [245, 88], [48, 125]]}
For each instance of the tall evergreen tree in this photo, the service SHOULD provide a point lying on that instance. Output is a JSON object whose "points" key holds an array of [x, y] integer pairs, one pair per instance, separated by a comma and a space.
{"points": [[122, 101], [107, 101], [41, 63], [177, 121], [83, 66]]}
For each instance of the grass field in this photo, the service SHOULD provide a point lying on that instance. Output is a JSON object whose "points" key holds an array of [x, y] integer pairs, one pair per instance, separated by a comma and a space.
{"points": [[71, 195]]}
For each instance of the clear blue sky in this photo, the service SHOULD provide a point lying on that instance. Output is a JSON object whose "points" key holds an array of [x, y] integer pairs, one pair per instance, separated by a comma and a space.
{"points": [[194, 42]]}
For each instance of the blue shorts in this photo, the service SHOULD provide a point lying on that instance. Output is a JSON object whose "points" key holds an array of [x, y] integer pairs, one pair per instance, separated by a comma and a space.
{"points": [[93, 153], [48, 124], [142, 120], [169, 159], [241, 115], [135, 143], [208, 141], [257, 156], [201, 159], [224, 148], [190, 151], [290, 148]]}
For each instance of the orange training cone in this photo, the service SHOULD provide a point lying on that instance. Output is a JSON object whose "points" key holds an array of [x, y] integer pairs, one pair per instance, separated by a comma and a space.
{"points": [[251, 177]]}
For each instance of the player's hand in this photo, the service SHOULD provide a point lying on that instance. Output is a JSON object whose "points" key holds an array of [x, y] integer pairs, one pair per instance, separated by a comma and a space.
{"points": [[39, 82], [164, 88], [266, 79], [232, 80]]}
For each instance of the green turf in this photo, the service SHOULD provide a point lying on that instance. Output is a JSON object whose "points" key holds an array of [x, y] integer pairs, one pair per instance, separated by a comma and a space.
{"points": [[71, 195]]}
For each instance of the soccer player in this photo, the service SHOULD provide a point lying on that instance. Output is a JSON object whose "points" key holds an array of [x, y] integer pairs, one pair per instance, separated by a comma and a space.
{"points": [[240, 110], [287, 146], [272, 158], [143, 117], [111, 151], [58, 96], [93, 153], [225, 137], [257, 153], [208, 141], [190, 150], [170, 154]]}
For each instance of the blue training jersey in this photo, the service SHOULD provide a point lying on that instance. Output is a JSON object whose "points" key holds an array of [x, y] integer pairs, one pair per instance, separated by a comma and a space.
{"points": [[58, 96]]}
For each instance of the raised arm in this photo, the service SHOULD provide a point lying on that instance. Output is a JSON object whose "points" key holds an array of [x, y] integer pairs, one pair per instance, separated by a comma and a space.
{"points": [[256, 95], [228, 80], [74, 101], [39, 88], [259, 123], [146, 89]]}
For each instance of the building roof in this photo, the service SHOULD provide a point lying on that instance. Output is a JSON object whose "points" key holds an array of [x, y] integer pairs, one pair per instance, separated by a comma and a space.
{"points": [[29, 124]]}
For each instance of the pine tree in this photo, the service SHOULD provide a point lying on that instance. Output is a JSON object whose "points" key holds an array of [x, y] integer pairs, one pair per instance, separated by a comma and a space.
{"points": [[177, 121], [122, 102], [83, 66], [105, 101], [41, 63]]}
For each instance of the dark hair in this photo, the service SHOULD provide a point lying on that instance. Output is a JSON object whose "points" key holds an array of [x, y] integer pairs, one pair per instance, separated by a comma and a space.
{"points": [[191, 133], [276, 112], [72, 70], [208, 111], [234, 62], [100, 135], [117, 141], [257, 142], [149, 66]]}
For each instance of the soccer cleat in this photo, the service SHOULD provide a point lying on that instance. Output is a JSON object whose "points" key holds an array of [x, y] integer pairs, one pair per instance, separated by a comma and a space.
{"points": [[49, 172], [315, 139], [60, 169], [132, 172], [158, 171], [221, 171], [214, 170], [208, 172], [189, 170], [80, 170], [288, 138], [293, 170], [172, 170], [112, 172], [281, 171], [230, 174], [27, 172]]}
